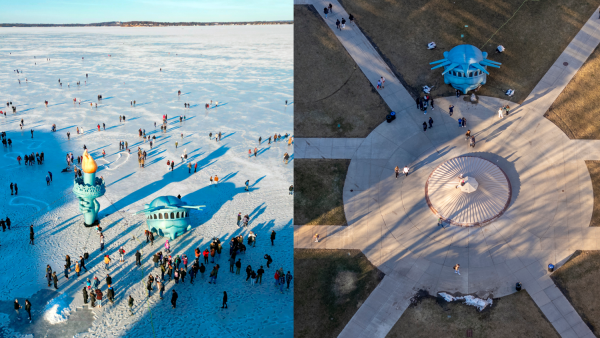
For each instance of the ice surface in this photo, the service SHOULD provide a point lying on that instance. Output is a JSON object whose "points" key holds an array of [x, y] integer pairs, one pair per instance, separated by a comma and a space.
{"points": [[479, 303], [57, 310], [248, 70]]}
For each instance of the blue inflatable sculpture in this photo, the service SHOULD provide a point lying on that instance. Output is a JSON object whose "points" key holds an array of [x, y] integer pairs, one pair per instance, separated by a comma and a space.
{"points": [[88, 189], [168, 216], [465, 67]]}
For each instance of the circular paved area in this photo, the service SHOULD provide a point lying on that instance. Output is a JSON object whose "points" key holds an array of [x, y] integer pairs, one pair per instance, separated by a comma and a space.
{"points": [[547, 218], [468, 191]]}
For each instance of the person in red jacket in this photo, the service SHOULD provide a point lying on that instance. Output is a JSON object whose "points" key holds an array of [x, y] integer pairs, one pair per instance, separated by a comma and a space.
{"points": [[205, 254], [99, 297], [276, 278], [19, 159]]}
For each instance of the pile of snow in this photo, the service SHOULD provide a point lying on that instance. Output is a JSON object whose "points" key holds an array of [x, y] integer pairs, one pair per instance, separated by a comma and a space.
{"points": [[57, 310], [479, 303]]}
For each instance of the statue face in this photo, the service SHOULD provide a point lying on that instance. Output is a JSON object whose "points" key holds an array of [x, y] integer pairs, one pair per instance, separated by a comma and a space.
{"points": [[88, 164]]}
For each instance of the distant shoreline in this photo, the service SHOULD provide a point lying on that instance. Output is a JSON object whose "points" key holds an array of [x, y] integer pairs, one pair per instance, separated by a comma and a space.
{"points": [[151, 24]]}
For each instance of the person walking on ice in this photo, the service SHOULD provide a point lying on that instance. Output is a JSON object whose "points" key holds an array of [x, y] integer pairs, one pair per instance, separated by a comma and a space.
{"points": [[224, 300], [130, 303], [17, 307], [174, 299]]}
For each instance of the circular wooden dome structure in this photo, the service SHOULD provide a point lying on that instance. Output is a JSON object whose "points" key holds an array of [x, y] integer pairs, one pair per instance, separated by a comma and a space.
{"points": [[448, 199]]}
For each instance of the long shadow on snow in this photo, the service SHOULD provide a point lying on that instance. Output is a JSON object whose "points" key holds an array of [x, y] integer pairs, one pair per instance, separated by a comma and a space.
{"points": [[177, 175]]}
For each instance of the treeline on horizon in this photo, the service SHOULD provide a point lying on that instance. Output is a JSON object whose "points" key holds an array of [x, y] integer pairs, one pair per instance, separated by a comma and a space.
{"points": [[147, 23]]}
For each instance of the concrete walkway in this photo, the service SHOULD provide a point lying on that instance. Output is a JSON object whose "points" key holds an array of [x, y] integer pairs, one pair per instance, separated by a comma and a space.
{"points": [[332, 148], [390, 221]]}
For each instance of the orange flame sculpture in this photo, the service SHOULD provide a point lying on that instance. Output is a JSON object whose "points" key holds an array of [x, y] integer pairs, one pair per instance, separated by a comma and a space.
{"points": [[88, 165]]}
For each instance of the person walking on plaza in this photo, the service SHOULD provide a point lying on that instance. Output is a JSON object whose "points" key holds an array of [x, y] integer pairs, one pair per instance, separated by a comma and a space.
{"points": [[397, 171], [456, 269], [405, 171], [424, 126], [326, 11], [138, 258], [430, 122], [500, 113]]}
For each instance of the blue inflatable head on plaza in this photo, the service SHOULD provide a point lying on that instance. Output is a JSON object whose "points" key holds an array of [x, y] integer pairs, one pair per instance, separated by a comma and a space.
{"points": [[465, 67], [168, 216]]}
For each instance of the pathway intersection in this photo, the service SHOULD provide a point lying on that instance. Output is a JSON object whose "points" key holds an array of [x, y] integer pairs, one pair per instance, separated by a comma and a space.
{"points": [[390, 221]]}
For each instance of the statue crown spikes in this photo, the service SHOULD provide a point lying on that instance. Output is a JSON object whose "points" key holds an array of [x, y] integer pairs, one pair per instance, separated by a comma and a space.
{"points": [[465, 67]]}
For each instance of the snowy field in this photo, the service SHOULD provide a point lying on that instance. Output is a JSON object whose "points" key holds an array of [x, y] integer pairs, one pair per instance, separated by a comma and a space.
{"points": [[248, 70]]}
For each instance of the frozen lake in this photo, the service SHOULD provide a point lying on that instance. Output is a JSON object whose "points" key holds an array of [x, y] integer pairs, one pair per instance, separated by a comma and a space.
{"points": [[248, 70]]}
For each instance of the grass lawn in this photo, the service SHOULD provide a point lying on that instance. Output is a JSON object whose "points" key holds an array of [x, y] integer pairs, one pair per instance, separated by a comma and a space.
{"points": [[330, 286], [579, 280], [511, 316], [534, 38], [576, 109], [329, 89], [594, 169], [318, 196]]}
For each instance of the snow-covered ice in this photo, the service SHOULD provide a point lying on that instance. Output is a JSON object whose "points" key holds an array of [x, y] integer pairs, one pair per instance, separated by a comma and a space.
{"points": [[57, 310], [248, 70]]}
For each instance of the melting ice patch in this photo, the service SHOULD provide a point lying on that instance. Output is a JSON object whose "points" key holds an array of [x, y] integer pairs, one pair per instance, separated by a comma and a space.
{"points": [[479, 303], [57, 310]]}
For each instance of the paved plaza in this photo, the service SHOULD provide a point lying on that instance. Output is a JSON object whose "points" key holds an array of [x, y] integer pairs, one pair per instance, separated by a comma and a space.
{"points": [[389, 219]]}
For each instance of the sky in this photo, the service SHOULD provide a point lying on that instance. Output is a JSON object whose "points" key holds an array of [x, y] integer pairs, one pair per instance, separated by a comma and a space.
{"points": [[89, 11]]}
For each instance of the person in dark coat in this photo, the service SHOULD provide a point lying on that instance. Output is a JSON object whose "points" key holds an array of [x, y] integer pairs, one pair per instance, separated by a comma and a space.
{"points": [[174, 299], [8, 222], [85, 296], [224, 300], [31, 234], [111, 294], [82, 263], [130, 303], [28, 308], [49, 274], [55, 279], [138, 258], [248, 272], [273, 237]]}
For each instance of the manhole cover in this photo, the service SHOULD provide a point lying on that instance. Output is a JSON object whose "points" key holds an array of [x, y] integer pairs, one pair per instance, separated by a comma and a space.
{"points": [[565, 63]]}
